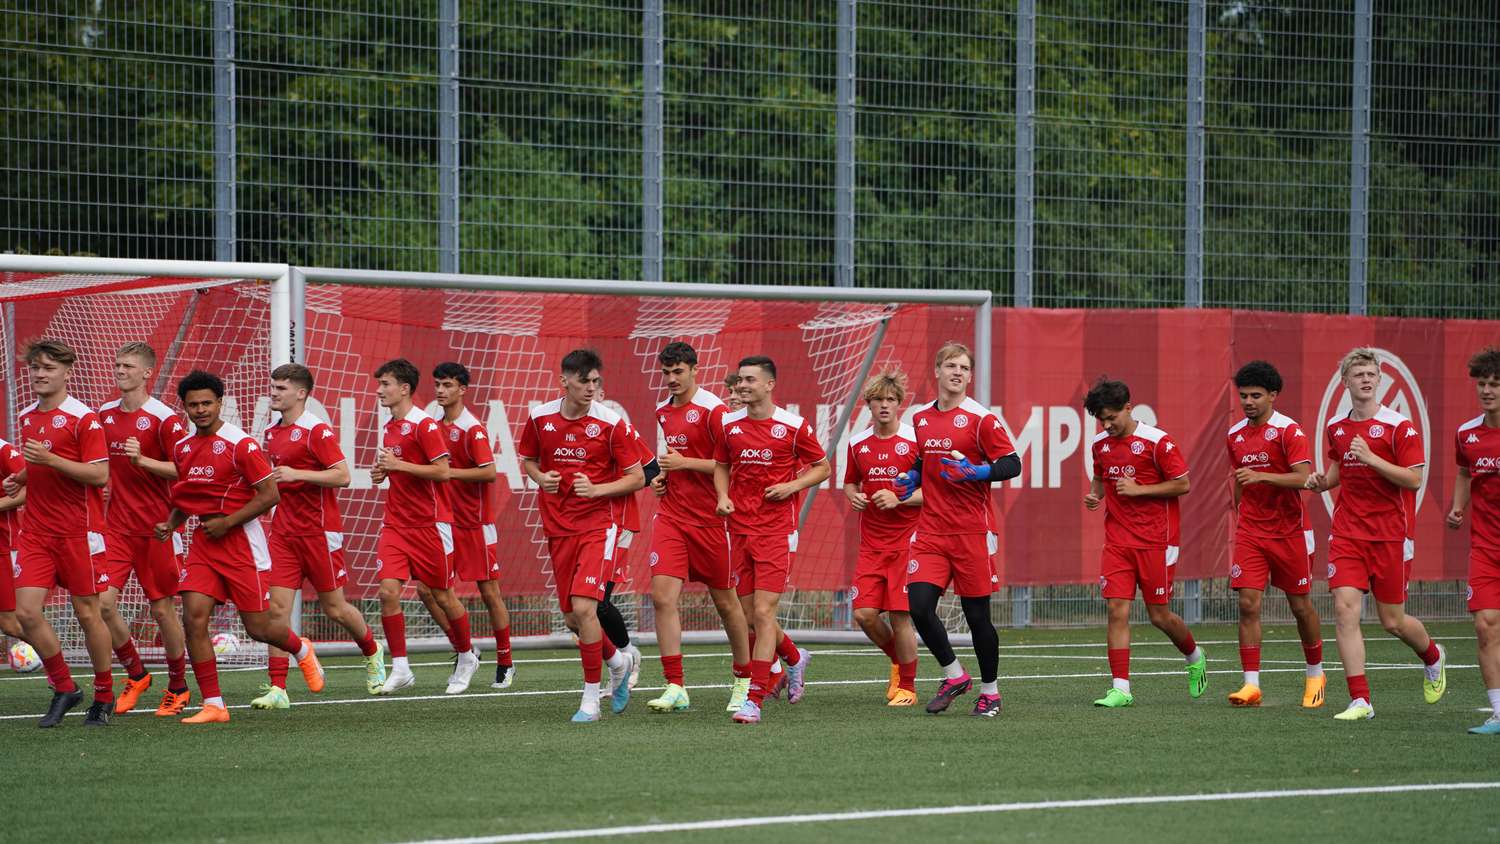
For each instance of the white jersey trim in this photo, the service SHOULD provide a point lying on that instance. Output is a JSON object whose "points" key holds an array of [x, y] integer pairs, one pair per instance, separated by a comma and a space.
{"points": [[1149, 433], [1476, 422]]}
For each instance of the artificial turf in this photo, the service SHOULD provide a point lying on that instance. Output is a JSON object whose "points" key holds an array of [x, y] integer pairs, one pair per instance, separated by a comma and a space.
{"points": [[488, 763]]}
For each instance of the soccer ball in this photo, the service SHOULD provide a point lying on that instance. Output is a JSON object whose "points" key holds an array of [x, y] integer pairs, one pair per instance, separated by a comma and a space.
{"points": [[23, 658], [226, 644]]}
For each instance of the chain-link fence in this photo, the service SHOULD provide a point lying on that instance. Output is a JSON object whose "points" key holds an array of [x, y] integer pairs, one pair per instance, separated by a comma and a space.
{"points": [[1327, 157]]}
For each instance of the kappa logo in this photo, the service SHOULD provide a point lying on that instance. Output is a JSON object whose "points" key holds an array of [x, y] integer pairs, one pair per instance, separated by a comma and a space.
{"points": [[693, 416], [1471, 440], [591, 430], [548, 427], [922, 423], [186, 448], [296, 434], [1137, 447], [864, 449], [327, 433], [736, 430], [1271, 434], [778, 431], [252, 447], [1377, 431], [109, 420], [1104, 447], [1411, 432], [960, 421], [1239, 438], [1399, 391], [903, 449], [219, 446], [1169, 446]]}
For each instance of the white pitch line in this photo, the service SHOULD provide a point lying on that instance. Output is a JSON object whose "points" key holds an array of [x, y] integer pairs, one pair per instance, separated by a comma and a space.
{"points": [[979, 809]]}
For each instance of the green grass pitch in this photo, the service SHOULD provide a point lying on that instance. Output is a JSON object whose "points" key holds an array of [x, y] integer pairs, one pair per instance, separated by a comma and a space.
{"points": [[355, 768]]}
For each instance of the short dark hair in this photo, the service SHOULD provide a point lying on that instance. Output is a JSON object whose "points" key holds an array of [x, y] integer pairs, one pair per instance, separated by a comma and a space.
{"points": [[56, 349], [1106, 395], [761, 361], [1259, 373], [1486, 363], [581, 362], [200, 380], [677, 352], [451, 369], [402, 370], [295, 373]]}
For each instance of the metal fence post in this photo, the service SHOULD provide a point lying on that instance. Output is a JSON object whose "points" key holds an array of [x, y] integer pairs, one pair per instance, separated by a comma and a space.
{"points": [[843, 197], [1192, 601], [1192, 288], [1025, 207], [225, 176], [448, 137], [653, 52], [1359, 162]]}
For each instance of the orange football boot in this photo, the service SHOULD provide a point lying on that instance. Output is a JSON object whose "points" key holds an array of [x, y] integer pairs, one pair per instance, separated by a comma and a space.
{"points": [[132, 694], [1248, 695], [173, 703], [209, 715], [312, 670]]}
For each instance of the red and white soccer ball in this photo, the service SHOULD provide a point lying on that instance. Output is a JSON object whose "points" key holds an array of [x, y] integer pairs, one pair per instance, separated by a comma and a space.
{"points": [[226, 644], [23, 658]]}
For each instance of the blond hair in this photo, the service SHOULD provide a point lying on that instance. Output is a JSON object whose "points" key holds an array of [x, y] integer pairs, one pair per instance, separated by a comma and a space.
{"points": [[140, 350], [886, 382], [1361, 356], [951, 350]]}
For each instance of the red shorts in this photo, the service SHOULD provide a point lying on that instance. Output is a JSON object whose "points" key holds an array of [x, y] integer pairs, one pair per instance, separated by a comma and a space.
{"points": [[423, 553], [235, 568], [1286, 562], [696, 553], [317, 558], [965, 560], [1484, 579], [75, 563], [1380, 568], [1122, 569], [157, 565], [8, 581], [880, 579], [581, 565], [761, 563], [474, 555]]}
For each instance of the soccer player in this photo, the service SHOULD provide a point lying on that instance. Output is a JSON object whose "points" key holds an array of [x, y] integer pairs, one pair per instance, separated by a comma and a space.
{"points": [[582, 458], [140, 432], [962, 449], [1139, 473], [688, 540], [1270, 459], [416, 539], [758, 486], [877, 456], [1477, 446], [471, 489], [62, 541], [11, 463], [732, 400], [1375, 454], [307, 533], [611, 620], [223, 479]]}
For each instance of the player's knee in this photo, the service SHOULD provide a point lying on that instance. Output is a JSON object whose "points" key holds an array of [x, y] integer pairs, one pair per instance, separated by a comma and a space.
{"points": [[1160, 615], [866, 617], [1250, 603], [10, 625], [1487, 628], [1392, 623]]}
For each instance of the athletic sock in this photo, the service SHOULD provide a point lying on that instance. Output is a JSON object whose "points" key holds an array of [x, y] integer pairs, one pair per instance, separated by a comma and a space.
{"points": [[130, 660], [775, 665], [760, 679], [1250, 662], [909, 676], [953, 670], [590, 702], [463, 641], [1432, 654], [295, 646], [400, 663], [1494, 702], [607, 648], [787, 650], [1315, 669], [741, 670], [277, 667], [207, 673], [889, 649], [1359, 687], [104, 687], [213, 701], [671, 668], [590, 654], [395, 634], [502, 645], [177, 674], [367, 644], [57, 674], [1191, 653], [1313, 655], [991, 688], [1119, 668]]}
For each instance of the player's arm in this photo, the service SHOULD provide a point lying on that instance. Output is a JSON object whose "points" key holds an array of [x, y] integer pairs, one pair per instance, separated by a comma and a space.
{"points": [[721, 489], [675, 462], [857, 498], [160, 468], [1096, 493], [1295, 479], [12, 502], [437, 470], [811, 476], [548, 481], [175, 520], [1166, 489], [1402, 476], [266, 496], [1460, 498], [1325, 481], [477, 475], [631, 480], [88, 474], [335, 477]]}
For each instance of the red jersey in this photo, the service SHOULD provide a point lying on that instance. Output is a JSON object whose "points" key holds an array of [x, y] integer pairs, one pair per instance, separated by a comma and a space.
{"points": [[1274, 447], [873, 464], [138, 500], [11, 463], [760, 453], [1477, 448], [630, 506], [413, 501], [957, 507], [55, 504], [217, 473], [692, 430], [1369, 506], [469, 448], [597, 444], [310, 445], [1150, 457]]}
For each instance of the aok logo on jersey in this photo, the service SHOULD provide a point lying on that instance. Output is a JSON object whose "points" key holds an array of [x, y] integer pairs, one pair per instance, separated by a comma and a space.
{"points": [[1398, 390], [757, 455]]}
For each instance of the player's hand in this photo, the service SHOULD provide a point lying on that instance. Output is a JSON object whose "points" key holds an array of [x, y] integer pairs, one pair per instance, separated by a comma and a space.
{"points": [[1127, 487], [671, 461], [659, 484], [725, 507], [885, 499], [906, 484], [388, 461], [11, 486], [858, 501], [285, 475], [1246, 477], [1361, 450], [133, 451], [961, 469], [36, 452], [780, 492], [377, 475], [1455, 518], [1314, 481], [162, 530], [583, 487], [214, 526], [1092, 501], [551, 481]]}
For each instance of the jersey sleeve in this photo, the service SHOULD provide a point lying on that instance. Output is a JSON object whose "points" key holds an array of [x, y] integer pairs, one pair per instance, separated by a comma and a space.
{"points": [[480, 453], [994, 442], [851, 472], [1408, 446], [1333, 449], [643, 452], [1458, 450], [806, 446], [721, 445], [1294, 445], [1098, 467], [715, 428], [530, 447], [11, 462], [430, 437], [169, 433], [1229, 451], [92, 445], [250, 459], [622, 446], [325, 446], [1169, 458]]}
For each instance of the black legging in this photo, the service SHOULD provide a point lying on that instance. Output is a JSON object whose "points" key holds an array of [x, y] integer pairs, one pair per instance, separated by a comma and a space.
{"points": [[923, 599], [611, 620]]}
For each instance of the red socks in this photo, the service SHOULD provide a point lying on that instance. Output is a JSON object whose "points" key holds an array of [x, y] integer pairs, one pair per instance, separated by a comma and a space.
{"points": [[104, 687], [787, 650], [130, 660], [593, 659], [208, 679], [277, 667], [1249, 658], [395, 633], [909, 675], [1359, 687], [1187, 646], [57, 674], [1119, 663], [502, 646], [293, 643], [608, 648], [177, 674], [671, 668], [1313, 653], [760, 679], [367, 644], [462, 641], [741, 670], [1431, 655], [889, 649]]}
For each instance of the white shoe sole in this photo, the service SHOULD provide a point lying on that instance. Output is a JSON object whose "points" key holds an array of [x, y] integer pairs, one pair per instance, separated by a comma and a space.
{"points": [[406, 683]]}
